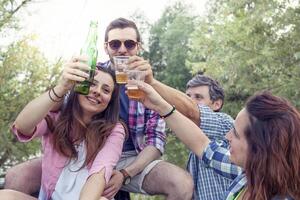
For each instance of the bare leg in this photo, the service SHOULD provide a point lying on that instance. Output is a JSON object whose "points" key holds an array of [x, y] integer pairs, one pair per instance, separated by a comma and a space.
{"points": [[169, 180], [14, 195], [25, 177]]}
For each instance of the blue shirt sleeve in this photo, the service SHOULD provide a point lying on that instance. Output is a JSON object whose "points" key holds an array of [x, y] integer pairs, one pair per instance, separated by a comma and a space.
{"points": [[216, 156]]}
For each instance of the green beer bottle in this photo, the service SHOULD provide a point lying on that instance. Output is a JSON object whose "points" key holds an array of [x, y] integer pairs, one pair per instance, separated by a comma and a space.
{"points": [[89, 49]]}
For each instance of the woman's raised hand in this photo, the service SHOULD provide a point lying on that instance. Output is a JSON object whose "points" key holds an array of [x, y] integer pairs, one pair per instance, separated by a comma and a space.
{"points": [[152, 99], [76, 70]]}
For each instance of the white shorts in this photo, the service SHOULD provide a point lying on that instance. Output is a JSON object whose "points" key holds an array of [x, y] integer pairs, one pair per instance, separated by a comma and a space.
{"points": [[136, 183]]}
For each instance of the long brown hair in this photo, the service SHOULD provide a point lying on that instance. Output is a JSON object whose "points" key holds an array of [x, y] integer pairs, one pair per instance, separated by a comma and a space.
{"points": [[70, 129], [273, 136]]}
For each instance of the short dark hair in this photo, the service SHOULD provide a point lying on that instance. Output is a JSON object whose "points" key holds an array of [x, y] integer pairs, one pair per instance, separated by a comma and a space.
{"points": [[216, 92], [122, 23]]}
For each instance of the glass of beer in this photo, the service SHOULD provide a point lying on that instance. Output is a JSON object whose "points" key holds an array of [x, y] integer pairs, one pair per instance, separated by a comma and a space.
{"points": [[120, 65], [133, 92]]}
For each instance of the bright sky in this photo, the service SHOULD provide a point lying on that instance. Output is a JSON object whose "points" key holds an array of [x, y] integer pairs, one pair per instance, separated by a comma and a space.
{"points": [[62, 25]]}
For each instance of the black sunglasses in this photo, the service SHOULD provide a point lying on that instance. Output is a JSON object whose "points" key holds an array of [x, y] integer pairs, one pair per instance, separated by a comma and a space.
{"points": [[116, 44]]}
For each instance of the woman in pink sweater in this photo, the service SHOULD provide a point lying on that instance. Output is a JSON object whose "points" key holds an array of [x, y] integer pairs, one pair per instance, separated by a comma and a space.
{"points": [[82, 142]]}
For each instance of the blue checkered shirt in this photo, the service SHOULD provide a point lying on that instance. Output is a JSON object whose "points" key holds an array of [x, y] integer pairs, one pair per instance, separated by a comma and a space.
{"points": [[216, 156], [208, 184]]}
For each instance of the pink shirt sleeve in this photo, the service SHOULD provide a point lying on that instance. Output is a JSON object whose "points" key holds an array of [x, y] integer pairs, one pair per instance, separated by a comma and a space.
{"points": [[40, 129], [109, 155]]}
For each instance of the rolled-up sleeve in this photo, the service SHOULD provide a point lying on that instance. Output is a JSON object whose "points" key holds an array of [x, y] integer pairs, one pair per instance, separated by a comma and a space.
{"points": [[40, 129], [216, 156]]}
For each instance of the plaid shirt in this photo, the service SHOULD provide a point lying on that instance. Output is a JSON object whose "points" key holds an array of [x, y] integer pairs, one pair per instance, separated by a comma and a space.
{"points": [[145, 126], [208, 184], [216, 156]]}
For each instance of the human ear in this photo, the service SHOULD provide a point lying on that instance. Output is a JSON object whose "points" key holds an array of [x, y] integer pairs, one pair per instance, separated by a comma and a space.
{"points": [[105, 45], [217, 104]]}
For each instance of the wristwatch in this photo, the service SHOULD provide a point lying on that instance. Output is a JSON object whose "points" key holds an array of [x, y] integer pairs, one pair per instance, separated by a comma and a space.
{"points": [[127, 177]]}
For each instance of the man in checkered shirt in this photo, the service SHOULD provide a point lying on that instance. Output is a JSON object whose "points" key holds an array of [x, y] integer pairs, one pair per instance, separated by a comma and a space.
{"points": [[209, 96]]}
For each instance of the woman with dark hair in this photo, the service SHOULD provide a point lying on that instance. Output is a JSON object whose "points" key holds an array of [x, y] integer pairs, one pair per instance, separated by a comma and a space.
{"points": [[82, 143], [263, 160]]}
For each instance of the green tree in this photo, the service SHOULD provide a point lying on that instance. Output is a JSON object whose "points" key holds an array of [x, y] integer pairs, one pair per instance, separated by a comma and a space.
{"points": [[249, 46], [19, 83], [168, 45], [24, 74], [144, 26], [8, 10]]}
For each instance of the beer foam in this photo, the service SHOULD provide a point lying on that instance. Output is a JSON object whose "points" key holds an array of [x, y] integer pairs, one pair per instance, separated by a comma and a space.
{"points": [[132, 87]]}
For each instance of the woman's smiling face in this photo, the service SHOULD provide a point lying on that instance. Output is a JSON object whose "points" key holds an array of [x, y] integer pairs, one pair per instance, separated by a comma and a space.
{"points": [[99, 96]]}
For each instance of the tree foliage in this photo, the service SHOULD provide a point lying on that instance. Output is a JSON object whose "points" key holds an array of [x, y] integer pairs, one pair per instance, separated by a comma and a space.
{"points": [[8, 10], [249, 46], [24, 74], [168, 48], [168, 45]]}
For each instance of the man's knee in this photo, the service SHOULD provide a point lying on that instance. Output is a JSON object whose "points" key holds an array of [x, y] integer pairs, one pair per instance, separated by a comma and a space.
{"points": [[24, 177], [186, 187], [182, 185], [166, 178], [10, 176]]}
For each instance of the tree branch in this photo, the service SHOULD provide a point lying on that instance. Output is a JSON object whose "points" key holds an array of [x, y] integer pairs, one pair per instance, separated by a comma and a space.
{"points": [[12, 12]]}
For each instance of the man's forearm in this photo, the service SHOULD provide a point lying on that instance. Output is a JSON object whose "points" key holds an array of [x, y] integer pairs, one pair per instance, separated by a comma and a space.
{"points": [[149, 154], [182, 102]]}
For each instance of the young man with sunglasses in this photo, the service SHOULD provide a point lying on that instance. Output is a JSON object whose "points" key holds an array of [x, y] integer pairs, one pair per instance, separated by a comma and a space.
{"points": [[139, 169], [209, 95]]}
